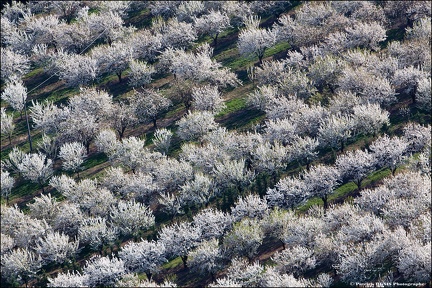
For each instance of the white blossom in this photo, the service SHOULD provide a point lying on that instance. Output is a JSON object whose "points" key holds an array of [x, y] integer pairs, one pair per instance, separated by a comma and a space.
{"points": [[76, 70], [7, 125], [244, 239], [355, 165], [131, 217], [67, 279], [47, 116], [212, 223], [206, 258], [423, 93], [270, 157], [140, 73], [370, 118], [287, 193], [162, 140], [103, 271], [6, 244], [36, 168], [232, 173], [251, 206], [294, 260], [44, 207], [195, 124], [248, 274], [212, 24], [56, 247], [15, 94], [13, 63], [143, 256], [68, 218], [335, 130], [198, 191], [106, 141], [20, 264], [207, 98], [389, 152], [73, 155], [149, 105], [176, 34], [7, 183], [179, 239], [114, 58], [254, 41], [96, 232]]}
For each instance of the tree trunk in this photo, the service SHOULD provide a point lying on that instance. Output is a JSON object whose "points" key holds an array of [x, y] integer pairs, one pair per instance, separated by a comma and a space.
{"points": [[250, 259], [410, 22], [121, 132], [274, 176], [283, 244], [184, 259], [358, 183], [87, 145], [413, 94], [295, 48], [119, 77], [325, 204], [215, 40], [260, 60], [248, 163], [149, 276], [10, 141], [187, 104], [43, 190], [154, 123], [28, 130], [308, 165], [393, 170], [342, 146]]}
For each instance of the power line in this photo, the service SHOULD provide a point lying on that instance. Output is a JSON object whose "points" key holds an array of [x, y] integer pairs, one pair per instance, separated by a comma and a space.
{"points": [[93, 41], [78, 54], [41, 83]]}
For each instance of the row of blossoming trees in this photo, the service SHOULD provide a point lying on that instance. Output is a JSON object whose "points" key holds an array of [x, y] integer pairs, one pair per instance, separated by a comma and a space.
{"points": [[337, 84]]}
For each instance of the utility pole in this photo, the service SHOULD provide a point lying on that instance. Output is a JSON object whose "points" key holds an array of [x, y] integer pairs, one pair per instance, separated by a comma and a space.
{"points": [[28, 125]]}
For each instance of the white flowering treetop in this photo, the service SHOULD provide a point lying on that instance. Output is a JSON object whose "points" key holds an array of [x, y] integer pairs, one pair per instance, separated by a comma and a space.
{"points": [[195, 125], [143, 256], [73, 155], [36, 168], [212, 24], [131, 217], [389, 152], [254, 41], [15, 94], [355, 165], [321, 180], [179, 239]]}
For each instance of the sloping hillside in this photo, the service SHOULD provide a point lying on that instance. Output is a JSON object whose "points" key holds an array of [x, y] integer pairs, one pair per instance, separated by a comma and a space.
{"points": [[215, 143]]}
